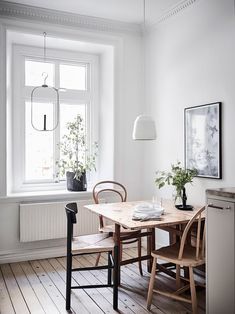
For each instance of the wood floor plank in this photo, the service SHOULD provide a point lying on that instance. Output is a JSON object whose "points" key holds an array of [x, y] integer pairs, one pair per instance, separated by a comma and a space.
{"points": [[14, 291], [139, 285], [79, 297], [98, 295], [41, 293], [60, 284], [138, 298], [5, 301], [128, 302], [166, 281], [167, 305], [49, 286], [170, 282], [40, 287], [26, 289], [101, 277]]}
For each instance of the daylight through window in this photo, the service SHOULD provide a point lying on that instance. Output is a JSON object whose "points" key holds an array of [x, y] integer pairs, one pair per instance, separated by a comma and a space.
{"points": [[41, 150]]}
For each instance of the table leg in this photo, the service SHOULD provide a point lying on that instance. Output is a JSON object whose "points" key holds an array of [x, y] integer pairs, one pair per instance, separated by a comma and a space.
{"points": [[150, 248], [118, 246]]}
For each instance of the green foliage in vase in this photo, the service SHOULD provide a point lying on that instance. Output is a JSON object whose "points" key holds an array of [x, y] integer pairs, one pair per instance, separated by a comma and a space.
{"points": [[178, 177], [74, 155]]}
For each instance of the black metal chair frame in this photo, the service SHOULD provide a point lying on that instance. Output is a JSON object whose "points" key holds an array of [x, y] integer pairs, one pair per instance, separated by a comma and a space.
{"points": [[71, 211]]}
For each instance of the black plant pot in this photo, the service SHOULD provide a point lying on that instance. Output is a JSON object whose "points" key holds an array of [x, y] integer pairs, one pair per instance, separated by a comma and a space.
{"points": [[74, 184]]}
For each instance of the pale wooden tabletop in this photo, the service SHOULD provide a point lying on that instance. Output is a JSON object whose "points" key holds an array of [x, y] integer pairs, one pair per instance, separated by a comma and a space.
{"points": [[121, 213]]}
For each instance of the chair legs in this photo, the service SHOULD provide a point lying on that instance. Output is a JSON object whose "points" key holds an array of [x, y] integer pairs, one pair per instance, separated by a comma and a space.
{"points": [[115, 279], [174, 296], [120, 251], [151, 284], [97, 259], [139, 256], [177, 277], [121, 247], [109, 268], [68, 281], [112, 265], [193, 291]]}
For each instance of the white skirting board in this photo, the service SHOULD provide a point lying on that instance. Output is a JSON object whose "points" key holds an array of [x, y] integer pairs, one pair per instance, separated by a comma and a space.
{"points": [[45, 221], [20, 255]]}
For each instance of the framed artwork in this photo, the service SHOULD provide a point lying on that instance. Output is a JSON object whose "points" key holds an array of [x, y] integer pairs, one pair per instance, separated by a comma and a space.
{"points": [[202, 145]]}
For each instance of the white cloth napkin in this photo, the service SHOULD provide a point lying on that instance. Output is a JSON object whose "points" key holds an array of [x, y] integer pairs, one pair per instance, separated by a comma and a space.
{"points": [[147, 211]]}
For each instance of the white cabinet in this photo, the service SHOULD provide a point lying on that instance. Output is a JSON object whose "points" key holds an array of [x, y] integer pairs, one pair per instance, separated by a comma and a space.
{"points": [[220, 253]]}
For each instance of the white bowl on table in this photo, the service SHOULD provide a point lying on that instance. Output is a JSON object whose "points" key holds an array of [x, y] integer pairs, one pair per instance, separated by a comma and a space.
{"points": [[145, 210]]}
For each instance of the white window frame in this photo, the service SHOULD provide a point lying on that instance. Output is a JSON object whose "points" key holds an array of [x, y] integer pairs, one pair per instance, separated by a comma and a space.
{"points": [[20, 94]]}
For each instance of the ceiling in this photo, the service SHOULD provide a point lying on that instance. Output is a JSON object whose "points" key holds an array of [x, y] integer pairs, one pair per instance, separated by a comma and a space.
{"points": [[130, 11]]}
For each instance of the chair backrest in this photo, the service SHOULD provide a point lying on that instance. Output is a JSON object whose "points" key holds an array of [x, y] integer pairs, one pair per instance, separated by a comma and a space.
{"points": [[103, 187], [200, 244], [71, 210], [109, 186]]}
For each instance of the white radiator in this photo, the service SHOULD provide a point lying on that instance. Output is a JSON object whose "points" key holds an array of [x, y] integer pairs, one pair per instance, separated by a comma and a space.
{"points": [[44, 221]]}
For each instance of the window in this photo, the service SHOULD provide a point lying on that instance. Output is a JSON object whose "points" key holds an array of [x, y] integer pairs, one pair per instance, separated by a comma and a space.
{"points": [[35, 153]]}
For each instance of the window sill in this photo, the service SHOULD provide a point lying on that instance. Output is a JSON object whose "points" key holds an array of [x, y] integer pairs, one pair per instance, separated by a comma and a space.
{"points": [[43, 196]]}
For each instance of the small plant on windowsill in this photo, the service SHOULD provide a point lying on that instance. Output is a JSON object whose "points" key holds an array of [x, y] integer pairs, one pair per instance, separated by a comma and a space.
{"points": [[74, 159], [178, 177]]}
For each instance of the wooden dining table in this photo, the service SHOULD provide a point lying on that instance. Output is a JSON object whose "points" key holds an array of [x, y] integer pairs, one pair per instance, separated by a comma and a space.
{"points": [[122, 213]]}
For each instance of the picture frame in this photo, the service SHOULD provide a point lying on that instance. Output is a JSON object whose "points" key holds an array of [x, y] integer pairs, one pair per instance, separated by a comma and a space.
{"points": [[202, 140]]}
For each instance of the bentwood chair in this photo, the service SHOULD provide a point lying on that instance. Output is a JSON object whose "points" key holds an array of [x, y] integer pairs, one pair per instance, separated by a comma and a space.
{"points": [[127, 236], [182, 254], [89, 244]]}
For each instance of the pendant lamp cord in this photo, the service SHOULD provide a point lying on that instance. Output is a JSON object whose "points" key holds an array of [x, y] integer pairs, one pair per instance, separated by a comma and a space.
{"points": [[44, 50], [143, 34], [144, 15], [44, 74]]}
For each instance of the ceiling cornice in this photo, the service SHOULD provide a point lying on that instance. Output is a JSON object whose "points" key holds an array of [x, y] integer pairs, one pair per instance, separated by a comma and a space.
{"points": [[174, 11], [32, 13]]}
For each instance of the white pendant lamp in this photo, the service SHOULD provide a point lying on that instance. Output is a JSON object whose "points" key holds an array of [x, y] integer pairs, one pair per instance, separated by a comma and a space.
{"points": [[144, 125], [144, 128]]}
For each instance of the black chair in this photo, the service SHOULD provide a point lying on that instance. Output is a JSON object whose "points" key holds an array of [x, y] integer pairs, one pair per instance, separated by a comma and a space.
{"points": [[88, 244]]}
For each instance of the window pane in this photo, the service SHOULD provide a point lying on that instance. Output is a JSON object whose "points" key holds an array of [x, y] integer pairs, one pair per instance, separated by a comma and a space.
{"points": [[73, 76], [38, 148], [68, 113], [44, 102], [39, 111], [34, 70]]}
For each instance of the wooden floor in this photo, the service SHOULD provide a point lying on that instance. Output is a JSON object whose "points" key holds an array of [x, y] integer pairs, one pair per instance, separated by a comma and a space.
{"points": [[39, 287]]}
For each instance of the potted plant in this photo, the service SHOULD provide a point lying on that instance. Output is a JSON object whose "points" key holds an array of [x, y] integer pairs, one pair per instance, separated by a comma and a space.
{"points": [[74, 161], [178, 177]]}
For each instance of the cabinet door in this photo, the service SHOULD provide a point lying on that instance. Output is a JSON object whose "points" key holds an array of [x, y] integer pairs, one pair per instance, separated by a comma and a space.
{"points": [[220, 257]]}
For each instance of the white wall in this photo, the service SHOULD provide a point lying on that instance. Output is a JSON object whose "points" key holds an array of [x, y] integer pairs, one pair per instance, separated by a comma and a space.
{"points": [[126, 105], [190, 61], [128, 155]]}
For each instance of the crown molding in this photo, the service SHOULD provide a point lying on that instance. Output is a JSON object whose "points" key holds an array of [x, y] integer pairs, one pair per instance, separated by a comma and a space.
{"points": [[172, 12], [31, 13]]}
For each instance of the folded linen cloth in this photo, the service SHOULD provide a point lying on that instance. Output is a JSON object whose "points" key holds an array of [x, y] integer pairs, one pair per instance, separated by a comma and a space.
{"points": [[147, 211]]}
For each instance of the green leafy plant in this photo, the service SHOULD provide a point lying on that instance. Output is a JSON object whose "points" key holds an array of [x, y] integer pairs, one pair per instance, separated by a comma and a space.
{"points": [[74, 155], [178, 177]]}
